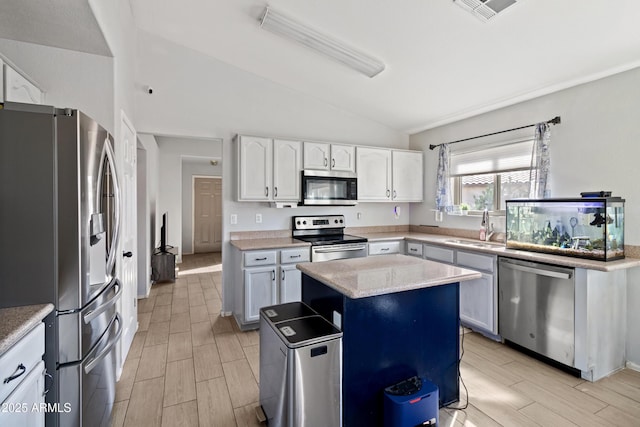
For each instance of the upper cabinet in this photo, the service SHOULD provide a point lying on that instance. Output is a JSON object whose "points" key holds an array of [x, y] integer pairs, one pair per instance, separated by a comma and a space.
{"points": [[407, 176], [269, 169], [324, 156], [389, 175], [16, 87]]}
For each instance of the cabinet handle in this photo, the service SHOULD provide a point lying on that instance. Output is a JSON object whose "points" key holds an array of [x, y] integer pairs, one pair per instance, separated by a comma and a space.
{"points": [[325, 161], [283, 274], [394, 194], [20, 368], [388, 192], [260, 259], [294, 256], [266, 191], [413, 250], [275, 191], [273, 275], [384, 249], [333, 163]]}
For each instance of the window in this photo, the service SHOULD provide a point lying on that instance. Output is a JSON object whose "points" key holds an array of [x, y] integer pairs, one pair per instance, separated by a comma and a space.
{"points": [[484, 178]]}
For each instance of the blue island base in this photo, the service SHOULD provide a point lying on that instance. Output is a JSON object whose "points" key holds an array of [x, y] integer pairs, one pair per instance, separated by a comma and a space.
{"points": [[389, 338]]}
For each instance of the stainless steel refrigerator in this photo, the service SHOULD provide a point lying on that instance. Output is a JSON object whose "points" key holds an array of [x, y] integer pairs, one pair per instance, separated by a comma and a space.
{"points": [[59, 222]]}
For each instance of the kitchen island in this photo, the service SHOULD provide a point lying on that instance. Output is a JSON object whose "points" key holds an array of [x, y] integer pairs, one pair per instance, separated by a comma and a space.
{"points": [[399, 317]]}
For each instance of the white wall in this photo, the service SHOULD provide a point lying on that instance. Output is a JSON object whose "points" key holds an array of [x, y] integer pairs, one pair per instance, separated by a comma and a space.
{"points": [[189, 170], [70, 79], [198, 96], [148, 147], [594, 148]]}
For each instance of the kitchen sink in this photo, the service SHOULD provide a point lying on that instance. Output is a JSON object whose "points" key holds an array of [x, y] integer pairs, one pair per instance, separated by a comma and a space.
{"points": [[474, 244]]}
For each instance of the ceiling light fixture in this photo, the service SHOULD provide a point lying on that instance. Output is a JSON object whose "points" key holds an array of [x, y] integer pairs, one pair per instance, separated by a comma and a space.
{"points": [[484, 9], [285, 26]]}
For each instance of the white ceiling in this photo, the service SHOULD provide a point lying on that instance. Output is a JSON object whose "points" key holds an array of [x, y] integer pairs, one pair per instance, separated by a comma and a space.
{"points": [[443, 64]]}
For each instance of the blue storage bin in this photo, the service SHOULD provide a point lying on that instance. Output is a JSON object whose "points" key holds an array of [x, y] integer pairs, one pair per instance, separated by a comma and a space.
{"points": [[410, 403]]}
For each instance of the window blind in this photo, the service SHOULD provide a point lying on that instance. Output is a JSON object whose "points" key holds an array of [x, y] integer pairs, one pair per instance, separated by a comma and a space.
{"points": [[492, 159]]}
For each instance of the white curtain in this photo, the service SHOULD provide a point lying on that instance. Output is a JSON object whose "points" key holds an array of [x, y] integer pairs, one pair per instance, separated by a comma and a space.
{"points": [[443, 191], [540, 163]]}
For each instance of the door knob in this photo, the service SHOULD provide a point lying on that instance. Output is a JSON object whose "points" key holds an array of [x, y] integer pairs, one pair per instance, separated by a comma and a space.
{"points": [[128, 254]]}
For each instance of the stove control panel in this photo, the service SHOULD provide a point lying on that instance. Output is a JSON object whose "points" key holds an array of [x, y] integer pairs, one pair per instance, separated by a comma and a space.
{"points": [[317, 222]]}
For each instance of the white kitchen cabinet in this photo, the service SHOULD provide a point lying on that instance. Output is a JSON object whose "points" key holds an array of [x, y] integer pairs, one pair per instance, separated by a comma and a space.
{"points": [[479, 297], [268, 169], [22, 371], [263, 278], [407, 176], [287, 164], [386, 247], [259, 291], [325, 156], [374, 174], [18, 89], [438, 253], [389, 175], [290, 284]]}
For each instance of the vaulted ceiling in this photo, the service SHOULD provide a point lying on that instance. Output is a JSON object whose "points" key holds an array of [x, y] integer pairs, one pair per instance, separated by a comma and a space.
{"points": [[442, 63]]}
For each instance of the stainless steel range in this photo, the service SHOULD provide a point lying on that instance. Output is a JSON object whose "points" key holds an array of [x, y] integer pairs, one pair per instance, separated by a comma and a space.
{"points": [[327, 238]]}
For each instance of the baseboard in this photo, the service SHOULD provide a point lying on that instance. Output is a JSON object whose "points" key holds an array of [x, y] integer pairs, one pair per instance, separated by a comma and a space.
{"points": [[633, 366], [148, 290]]}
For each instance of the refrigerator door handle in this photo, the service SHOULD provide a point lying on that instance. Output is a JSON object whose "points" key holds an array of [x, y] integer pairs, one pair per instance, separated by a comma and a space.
{"points": [[89, 316], [93, 362], [108, 154]]}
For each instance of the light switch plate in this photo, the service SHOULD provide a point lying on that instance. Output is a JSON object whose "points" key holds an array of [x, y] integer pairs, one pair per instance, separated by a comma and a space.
{"points": [[258, 218], [234, 219]]}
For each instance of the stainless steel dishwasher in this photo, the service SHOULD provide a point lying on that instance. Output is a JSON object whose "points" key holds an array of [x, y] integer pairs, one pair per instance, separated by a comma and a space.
{"points": [[536, 307]]}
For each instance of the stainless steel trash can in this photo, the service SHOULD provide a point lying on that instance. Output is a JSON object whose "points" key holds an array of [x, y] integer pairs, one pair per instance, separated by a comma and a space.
{"points": [[300, 368]]}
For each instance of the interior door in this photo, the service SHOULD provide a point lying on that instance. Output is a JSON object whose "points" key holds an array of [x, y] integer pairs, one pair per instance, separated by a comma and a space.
{"points": [[207, 214], [126, 266]]}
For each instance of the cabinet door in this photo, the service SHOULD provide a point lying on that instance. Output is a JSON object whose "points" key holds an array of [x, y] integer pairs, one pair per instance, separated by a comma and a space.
{"points": [[374, 174], [343, 158], [259, 291], [19, 89], [316, 155], [17, 409], [287, 164], [477, 303], [407, 176], [290, 284], [255, 163]]}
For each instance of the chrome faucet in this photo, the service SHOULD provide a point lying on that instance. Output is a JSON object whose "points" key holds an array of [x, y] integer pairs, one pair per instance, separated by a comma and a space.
{"points": [[488, 228]]}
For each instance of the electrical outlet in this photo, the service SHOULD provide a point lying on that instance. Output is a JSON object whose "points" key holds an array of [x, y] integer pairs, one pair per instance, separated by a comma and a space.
{"points": [[234, 219], [258, 218]]}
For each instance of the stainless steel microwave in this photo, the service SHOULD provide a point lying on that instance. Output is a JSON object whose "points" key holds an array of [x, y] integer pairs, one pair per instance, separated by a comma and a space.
{"points": [[324, 188]]}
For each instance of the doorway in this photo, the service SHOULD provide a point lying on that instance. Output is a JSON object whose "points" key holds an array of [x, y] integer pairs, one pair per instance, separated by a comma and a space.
{"points": [[207, 214]]}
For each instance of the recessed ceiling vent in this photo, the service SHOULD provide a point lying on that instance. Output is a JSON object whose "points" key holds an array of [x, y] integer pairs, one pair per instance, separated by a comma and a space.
{"points": [[485, 9]]}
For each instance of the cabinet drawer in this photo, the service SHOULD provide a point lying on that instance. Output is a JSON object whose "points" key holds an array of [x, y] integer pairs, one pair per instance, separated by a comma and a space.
{"points": [[476, 261], [256, 258], [437, 253], [26, 352], [288, 256], [414, 249], [384, 248]]}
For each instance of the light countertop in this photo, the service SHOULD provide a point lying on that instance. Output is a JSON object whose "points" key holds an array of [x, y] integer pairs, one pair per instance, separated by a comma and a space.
{"points": [[16, 322], [370, 276], [268, 243], [495, 248]]}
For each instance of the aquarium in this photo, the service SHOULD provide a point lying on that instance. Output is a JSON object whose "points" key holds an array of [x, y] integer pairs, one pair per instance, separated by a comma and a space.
{"points": [[591, 228]]}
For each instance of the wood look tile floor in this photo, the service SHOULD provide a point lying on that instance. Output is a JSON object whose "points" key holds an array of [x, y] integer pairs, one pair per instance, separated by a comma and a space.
{"points": [[190, 367]]}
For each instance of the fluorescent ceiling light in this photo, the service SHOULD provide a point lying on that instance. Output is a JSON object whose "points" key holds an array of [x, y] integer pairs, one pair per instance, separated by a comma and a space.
{"points": [[282, 25]]}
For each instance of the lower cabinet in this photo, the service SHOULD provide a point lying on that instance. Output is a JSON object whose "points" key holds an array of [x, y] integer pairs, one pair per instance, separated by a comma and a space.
{"points": [[265, 278], [386, 247], [479, 297], [22, 390]]}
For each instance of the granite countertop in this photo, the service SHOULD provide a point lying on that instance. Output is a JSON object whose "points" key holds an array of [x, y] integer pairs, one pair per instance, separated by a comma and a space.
{"points": [[268, 243], [16, 322], [496, 248], [371, 276]]}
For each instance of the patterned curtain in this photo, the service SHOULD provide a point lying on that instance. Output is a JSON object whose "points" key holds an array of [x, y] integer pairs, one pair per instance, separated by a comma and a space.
{"points": [[540, 163], [443, 192]]}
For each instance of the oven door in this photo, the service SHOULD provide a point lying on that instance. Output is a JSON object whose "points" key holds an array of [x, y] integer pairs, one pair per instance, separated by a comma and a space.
{"points": [[329, 188], [341, 251]]}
